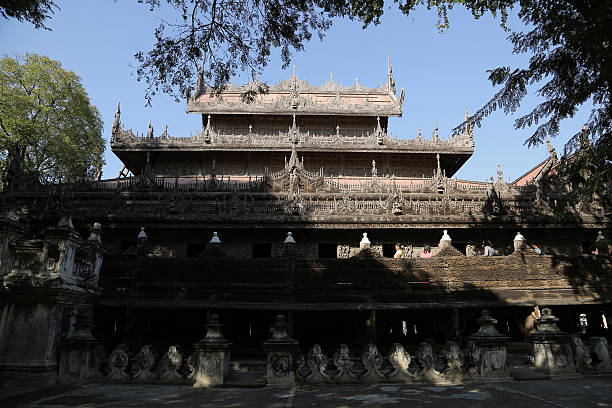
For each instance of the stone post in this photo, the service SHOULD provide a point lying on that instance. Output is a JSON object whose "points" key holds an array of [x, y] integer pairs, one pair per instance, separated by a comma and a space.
{"points": [[81, 355], [211, 355], [215, 241], [487, 349], [519, 242], [289, 245], [141, 240], [445, 241], [280, 350], [365, 242], [552, 351]]}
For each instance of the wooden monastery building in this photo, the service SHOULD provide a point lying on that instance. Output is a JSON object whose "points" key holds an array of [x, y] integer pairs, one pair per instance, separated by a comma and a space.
{"points": [[290, 202]]}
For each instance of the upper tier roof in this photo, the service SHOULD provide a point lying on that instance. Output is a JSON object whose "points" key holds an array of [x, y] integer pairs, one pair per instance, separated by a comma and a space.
{"points": [[298, 96]]}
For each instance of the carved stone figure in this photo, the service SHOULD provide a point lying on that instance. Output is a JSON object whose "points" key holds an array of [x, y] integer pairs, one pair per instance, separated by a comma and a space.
{"points": [[453, 361], [372, 362], [531, 321], [168, 369], [301, 370], [400, 362], [425, 359], [280, 364], [142, 365], [344, 365], [397, 208], [582, 357], [472, 357], [343, 251], [470, 250], [317, 363], [601, 351], [117, 363]]}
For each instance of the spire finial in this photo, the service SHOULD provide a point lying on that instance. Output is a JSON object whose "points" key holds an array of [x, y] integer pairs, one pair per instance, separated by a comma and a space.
{"points": [[500, 174], [390, 79], [150, 133], [388, 55], [551, 150], [116, 121], [468, 127]]}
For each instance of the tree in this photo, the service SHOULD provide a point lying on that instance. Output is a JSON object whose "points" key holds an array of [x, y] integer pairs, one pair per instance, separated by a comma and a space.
{"points": [[32, 11], [48, 126], [570, 43]]}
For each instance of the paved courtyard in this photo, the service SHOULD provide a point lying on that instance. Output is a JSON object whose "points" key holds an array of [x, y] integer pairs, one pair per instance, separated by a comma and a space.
{"points": [[569, 393]]}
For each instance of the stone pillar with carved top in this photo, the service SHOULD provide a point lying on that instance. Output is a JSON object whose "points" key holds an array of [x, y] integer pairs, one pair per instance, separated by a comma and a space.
{"points": [[54, 284], [486, 351], [212, 355], [11, 229], [519, 243], [81, 354], [280, 350], [551, 347]]}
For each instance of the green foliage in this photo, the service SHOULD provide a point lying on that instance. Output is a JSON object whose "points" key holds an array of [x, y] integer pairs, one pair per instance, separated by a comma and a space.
{"points": [[571, 61], [47, 120], [230, 36], [33, 11], [234, 37]]}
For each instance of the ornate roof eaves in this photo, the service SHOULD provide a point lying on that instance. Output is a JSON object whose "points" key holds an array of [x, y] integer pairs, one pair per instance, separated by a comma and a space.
{"points": [[321, 109], [152, 146]]}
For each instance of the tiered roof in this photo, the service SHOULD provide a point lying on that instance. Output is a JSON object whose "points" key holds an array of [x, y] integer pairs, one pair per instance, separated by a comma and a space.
{"points": [[298, 96]]}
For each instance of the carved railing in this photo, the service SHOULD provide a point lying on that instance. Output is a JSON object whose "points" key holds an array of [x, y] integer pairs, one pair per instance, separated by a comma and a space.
{"points": [[276, 138], [308, 193], [183, 184], [256, 183], [372, 184], [254, 204]]}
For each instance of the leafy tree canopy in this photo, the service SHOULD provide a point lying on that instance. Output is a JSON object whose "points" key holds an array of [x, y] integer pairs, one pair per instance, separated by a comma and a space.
{"points": [[33, 11], [48, 126]]}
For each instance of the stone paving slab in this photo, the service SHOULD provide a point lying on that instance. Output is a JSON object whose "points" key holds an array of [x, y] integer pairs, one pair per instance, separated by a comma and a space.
{"points": [[569, 393]]}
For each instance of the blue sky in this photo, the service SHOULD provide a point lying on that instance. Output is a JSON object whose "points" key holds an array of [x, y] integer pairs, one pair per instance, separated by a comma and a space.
{"points": [[442, 74]]}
